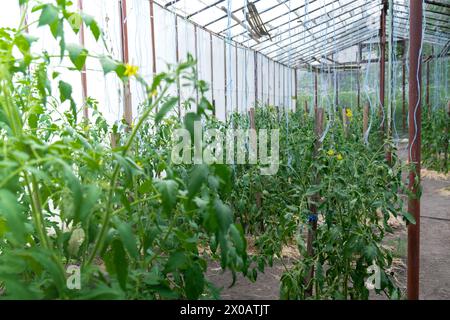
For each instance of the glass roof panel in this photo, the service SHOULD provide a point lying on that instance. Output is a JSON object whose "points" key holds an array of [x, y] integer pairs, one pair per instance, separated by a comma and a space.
{"points": [[304, 30]]}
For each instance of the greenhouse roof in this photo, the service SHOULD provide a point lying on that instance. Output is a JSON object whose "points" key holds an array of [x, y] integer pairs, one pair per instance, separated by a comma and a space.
{"points": [[297, 33]]}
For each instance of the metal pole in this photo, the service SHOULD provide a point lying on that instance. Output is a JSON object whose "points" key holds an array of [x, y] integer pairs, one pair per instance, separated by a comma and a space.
{"points": [[177, 57], [358, 76], [197, 59], [237, 79], [255, 60], [212, 72], [83, 72], [127, 111], [316, 98], [225, 75], [415, 123], [295, 88], [383, 58], [427, 102], [152, 34], [390, 106], [404, 86]]}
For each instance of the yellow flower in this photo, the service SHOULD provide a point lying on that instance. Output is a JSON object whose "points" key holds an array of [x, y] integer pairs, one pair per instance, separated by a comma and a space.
{"points": [[130, 70], [154, 93], [339, 157], [349, 113], [139, 163], [330, 152]]}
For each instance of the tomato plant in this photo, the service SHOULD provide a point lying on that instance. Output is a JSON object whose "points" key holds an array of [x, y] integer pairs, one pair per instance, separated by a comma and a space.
{"points": [[435, 139], [134, 224]]}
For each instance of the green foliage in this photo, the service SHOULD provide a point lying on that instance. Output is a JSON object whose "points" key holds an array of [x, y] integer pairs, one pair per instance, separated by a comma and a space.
{"points": [[435, 139], [137, 226], [354, 190]]}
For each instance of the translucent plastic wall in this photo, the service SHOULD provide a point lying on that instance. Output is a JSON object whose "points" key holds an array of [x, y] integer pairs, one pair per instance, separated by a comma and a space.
{"points": [[239, 78]]}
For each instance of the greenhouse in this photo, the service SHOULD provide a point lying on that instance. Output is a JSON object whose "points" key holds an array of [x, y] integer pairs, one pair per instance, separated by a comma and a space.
{"points": [[224, 150]]}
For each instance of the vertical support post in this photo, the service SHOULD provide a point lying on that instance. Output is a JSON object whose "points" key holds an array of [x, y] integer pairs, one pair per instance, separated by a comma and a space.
{"points": [[225, 75], [404, 86], [446, 133], [336, 97], [274, 86], [177, 58], [427, 101], [83, 71], [316, 97], [237, 80], [415, 124], [365, 118], [383, 58], [152, 34], [296, 89], [390, 105], [196, 57], [358, 78], [319, 116], [255, 60], [212, 73], [262, 79], [127, 110]]}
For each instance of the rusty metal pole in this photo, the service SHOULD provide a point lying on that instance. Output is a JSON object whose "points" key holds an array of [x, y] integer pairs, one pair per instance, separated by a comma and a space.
{"points": [[383, 59], [415, 124], [316, 98], [127, 111], [427, 101], [404, 86], [83, 71]]}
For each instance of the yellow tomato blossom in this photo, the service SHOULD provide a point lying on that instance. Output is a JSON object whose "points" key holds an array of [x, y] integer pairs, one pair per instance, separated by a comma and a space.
{"points": [[330, 152], [130, 70], [154, 93], [339, 157], [349, 113]]}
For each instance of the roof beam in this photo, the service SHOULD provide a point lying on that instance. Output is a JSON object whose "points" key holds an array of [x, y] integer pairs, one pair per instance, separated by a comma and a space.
{"points": [[309, 29], [438, 4], [204, 8], [358, 23]]}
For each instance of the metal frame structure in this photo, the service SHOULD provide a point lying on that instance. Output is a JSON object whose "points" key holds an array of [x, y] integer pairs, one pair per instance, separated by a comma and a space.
{"points": [[316, 28]]}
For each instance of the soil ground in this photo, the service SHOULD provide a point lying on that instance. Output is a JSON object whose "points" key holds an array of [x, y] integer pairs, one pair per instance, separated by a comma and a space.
{"points": [[434, 256]]}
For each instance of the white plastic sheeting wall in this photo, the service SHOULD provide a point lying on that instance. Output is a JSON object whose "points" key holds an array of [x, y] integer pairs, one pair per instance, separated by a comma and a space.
{"points": [[228, 69]]}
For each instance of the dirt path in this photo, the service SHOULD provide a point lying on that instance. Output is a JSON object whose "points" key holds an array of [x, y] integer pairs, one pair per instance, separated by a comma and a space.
{"points": [[435, 250]]}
